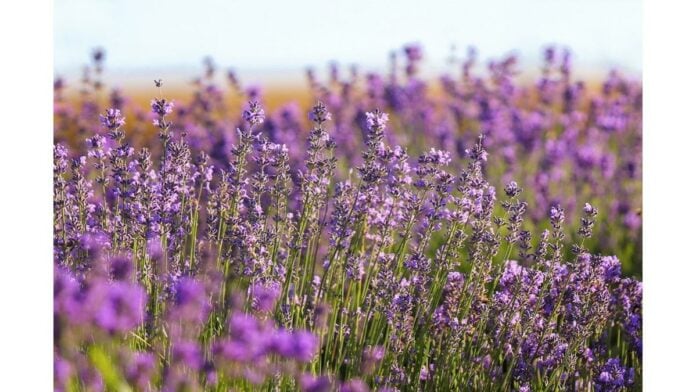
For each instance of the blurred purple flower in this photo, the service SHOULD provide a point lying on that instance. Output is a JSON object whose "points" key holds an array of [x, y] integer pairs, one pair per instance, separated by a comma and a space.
{"points": [[264, 296], [310, 383], [299, 345]]}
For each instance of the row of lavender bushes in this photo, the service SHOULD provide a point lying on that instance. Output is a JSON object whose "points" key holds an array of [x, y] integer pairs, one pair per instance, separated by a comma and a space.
{"points": [[252, 254]]}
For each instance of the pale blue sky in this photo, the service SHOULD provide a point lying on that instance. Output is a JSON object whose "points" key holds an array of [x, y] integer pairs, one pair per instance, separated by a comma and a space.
{"points": [[291, 34]]}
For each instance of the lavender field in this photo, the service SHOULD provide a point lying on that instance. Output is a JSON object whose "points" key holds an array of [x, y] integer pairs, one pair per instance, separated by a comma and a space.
{"points": [[480, 232]]}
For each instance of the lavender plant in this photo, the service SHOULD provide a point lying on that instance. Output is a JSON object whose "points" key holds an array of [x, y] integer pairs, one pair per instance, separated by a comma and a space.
{"points": [[228, 255]]}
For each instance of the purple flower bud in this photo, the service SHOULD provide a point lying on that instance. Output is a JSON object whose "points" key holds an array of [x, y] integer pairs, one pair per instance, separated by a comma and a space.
{"points": [[254, 114], [512, 189], [611, 266], [112, 120], [319, 113], [557, 214], [377, 120], [161, 107], [613, 376], [588, 209]]}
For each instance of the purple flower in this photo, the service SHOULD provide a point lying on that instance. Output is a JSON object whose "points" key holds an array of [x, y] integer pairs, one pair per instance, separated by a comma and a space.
{"points": [[435, 157], [140, 369], [190, 300], [377, 120], [248, 340], [611, 268], [154, 249], [299, 345], [161, 107], [264, 296], [424, 374], [188, 354], [254, 114], [613, 376], [319, 113], [62, 371], [121, 268], [68, 298], [588, 209], [371, 357], [112, 119], [95, 244], [118, 307], [309, 383], [557, 214], [512, 189]]}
